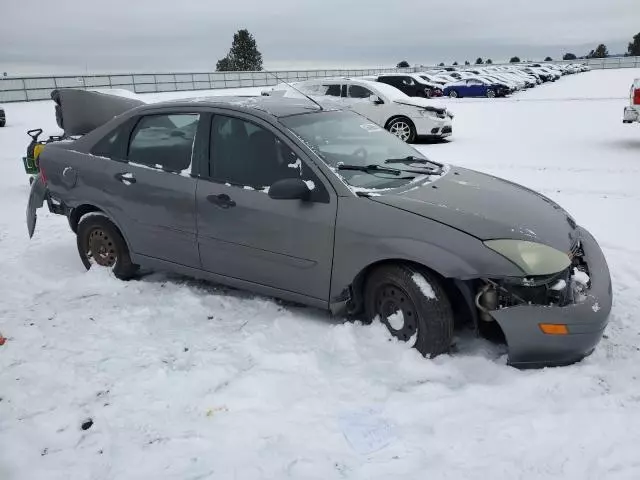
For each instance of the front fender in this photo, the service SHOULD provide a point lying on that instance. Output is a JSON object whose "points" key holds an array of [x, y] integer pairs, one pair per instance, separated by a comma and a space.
{"points": [[369, 232]]}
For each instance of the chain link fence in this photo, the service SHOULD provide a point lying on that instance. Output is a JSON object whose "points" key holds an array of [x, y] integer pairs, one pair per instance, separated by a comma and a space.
{"points": [[21, 89]]}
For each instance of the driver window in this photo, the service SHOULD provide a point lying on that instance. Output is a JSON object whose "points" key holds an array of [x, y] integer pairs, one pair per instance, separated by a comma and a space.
{"points": [[356, 91], [247, 155], [408, 81]]}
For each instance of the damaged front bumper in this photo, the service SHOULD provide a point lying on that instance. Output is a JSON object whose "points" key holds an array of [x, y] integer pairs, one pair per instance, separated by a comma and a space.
{"points": [[581, 323]]}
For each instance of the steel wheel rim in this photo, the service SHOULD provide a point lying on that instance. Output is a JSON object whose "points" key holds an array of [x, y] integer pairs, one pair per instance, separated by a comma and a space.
{"points": [[491, 94], [402, 130], [453, 94], [100, 248], [396, 311]]}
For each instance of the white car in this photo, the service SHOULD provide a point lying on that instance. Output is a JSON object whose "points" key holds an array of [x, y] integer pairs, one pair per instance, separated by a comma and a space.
{"points": [[632, 112], [406, 117]]}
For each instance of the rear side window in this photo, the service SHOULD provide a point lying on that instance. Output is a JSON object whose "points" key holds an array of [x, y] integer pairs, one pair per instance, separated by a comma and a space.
{"points": [[109, 146], [332, 90], [164, 141]]}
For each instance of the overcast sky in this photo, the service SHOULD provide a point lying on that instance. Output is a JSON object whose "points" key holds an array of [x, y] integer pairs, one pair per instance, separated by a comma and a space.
{"points": [[171, 35]]}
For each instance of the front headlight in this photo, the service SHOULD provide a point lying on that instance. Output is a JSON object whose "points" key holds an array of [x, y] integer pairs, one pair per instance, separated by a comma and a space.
{"points": [[533, 258]]}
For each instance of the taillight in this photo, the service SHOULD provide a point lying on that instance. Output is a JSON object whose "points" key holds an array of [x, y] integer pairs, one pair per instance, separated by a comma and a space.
{"points": [[43, 175], [636, 96]]}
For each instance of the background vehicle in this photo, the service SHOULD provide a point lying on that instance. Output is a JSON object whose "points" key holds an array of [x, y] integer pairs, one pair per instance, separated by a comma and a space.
{"points": [[475, 87], [412, 85], [325, 230], [406, 117], [3, 117], [632, 112]]}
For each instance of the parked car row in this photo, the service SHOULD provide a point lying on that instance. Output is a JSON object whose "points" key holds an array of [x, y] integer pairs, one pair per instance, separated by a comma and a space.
{"points": [[495, 81]]}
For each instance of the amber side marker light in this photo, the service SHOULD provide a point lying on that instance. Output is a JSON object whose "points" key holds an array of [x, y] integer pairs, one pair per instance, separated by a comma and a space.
{"points": [[554, 329]]}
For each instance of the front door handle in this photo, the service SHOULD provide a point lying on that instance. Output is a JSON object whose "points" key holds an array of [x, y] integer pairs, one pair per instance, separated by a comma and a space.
{"points": [[125, 177], [223, 200]]}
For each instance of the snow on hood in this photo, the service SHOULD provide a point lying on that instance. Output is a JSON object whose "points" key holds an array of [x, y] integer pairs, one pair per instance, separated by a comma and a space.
{"points": [[421, 103]]}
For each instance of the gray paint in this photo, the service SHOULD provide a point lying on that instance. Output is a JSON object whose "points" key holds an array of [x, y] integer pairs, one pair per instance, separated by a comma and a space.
{"points": [[312, 252]]}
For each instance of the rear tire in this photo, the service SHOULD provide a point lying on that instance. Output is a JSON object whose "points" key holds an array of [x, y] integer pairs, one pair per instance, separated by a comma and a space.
{"points": [[392, 295], [101, 244], [403, 128]]}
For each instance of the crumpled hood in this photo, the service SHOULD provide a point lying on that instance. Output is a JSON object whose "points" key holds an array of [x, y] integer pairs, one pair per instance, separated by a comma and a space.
{"points": [[487, 207], [421, 103]]}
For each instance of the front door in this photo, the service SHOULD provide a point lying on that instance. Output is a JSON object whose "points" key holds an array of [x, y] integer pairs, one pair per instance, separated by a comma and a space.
{"points": [[151, 193], [245, 234]]}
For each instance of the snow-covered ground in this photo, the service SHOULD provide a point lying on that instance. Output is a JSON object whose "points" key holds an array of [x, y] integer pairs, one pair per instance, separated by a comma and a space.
{"points": [[186, 380]]}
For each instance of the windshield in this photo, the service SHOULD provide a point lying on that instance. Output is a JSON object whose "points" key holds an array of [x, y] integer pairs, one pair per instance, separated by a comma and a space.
{"points": [[349, 139]]}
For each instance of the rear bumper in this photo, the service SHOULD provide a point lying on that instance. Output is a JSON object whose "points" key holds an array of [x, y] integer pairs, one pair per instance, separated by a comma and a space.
{"points": [[631, 115], [586, 320]]}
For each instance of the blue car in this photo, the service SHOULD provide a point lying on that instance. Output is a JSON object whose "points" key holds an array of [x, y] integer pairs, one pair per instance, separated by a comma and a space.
{"points": [[475, 87]]}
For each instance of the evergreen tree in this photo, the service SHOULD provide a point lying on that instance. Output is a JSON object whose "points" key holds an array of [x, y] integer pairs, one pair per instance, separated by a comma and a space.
{"points": [[466, 62], [634, 46], [441, 64], [489, 61], [569, 56], [600, 52], [455, 63], [243, 55], [403, 64], [479, 61], [548, 59], [514, 60]]}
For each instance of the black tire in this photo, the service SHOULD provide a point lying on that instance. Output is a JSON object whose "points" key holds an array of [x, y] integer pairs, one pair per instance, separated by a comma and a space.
{"points": [[392, 287], [491, 93], [98, 231], [2, 123], [453, 94], [396, 124]]}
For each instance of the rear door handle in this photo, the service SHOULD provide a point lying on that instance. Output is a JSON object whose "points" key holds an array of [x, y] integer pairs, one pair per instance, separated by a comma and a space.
{"points": [[126, 177], [223, 200]]}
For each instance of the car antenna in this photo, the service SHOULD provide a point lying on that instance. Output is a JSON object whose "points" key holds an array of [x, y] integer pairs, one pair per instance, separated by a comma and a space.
{"points": [[297, 90]]}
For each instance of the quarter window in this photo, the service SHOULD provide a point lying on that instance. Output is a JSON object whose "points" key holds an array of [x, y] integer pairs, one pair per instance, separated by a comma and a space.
{"points": [[164, 141]]}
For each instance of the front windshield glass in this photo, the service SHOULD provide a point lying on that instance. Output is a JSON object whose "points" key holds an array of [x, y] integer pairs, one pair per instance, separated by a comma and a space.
{"points": [[349, 139]]}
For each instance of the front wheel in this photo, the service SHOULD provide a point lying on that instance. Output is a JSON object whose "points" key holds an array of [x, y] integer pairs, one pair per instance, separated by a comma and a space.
{"points": [[101, 244], [402, 128], [491, 93], [453, 94], [413, 305]]}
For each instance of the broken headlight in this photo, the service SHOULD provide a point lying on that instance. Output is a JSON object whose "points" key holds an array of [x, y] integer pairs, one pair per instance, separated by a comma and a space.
{"points": [[532, 258]]}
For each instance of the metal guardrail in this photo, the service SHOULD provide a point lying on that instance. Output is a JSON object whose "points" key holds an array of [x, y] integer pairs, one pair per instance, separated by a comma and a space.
{"points": [[21, 89]]}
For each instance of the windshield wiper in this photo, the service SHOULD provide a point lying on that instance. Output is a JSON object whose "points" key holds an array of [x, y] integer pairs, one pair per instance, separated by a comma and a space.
{"points": [[409, 160], [369, 168]]}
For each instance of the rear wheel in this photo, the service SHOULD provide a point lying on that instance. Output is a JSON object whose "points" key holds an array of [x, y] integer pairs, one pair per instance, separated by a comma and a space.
{"points": [[100, 244], [412, 305], [453, 94], [402, 128]]}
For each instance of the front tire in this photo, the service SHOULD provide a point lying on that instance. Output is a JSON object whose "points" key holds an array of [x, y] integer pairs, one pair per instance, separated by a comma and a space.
{"points": [[491, 93], [403, 128], [453, 94], [101, 244], [412, 304]]}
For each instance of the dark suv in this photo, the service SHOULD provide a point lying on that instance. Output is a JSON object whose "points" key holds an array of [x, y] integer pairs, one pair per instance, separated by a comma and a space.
{"points": [[412, 85]]}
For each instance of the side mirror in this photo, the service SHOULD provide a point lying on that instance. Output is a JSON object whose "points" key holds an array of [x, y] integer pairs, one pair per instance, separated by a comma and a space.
{"points": [[290, 189], [375, 99]]}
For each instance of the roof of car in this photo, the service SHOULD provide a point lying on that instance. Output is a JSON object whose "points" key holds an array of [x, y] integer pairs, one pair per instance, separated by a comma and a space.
{"points": [[271, 106]]}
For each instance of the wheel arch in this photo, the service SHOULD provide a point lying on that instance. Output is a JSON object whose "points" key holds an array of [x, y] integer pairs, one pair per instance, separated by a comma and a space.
{"points": [[458, 292], [81, 210], [397, 117]]}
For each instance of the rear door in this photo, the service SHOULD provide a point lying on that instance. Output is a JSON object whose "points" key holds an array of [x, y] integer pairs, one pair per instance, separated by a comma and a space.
{"points": [[245, 234], [358, 99], [148, 187]]}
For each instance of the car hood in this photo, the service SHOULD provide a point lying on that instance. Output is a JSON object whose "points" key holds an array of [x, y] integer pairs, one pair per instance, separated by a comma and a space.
{"points": [[420, 103], [487, 207]]}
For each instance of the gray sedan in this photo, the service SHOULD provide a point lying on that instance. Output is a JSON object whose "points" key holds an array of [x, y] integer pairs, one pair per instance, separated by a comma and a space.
{"points": [[325, 208]]}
